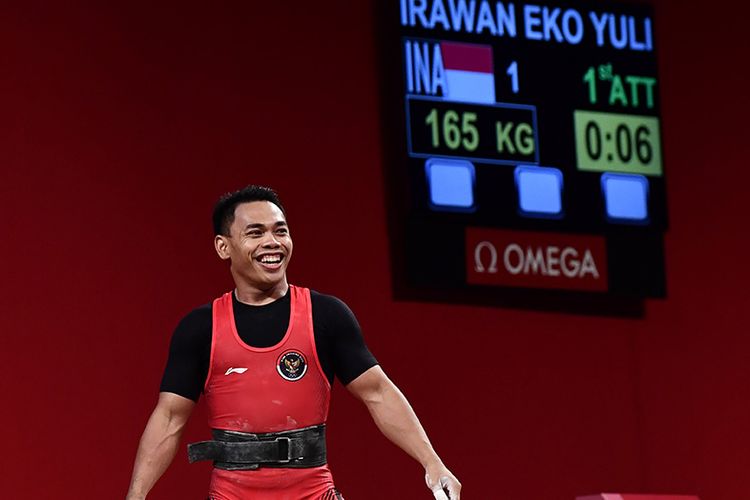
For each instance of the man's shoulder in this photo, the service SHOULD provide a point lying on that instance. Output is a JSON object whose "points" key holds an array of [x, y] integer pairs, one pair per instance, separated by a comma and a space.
{"points": [[330, 303], [199, 313], [196, 323], [331, 314]]}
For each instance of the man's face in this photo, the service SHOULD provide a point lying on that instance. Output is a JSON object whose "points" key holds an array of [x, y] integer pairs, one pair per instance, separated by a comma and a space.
{"points": [[259, 245]]}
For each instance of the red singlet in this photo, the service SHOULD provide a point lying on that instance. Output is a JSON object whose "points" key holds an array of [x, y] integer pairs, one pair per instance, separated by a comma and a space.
{"points": [[271, 389]]}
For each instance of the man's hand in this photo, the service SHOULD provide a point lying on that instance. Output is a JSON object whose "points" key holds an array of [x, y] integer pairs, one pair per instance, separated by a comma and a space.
{"points": [[439, 480]]}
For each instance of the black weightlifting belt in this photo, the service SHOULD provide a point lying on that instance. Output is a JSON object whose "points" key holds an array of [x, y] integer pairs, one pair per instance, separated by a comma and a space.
{"points": [[232, 450]]}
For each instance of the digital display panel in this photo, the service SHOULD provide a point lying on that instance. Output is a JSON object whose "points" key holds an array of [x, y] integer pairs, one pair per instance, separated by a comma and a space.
{"points": [[523, 148]]}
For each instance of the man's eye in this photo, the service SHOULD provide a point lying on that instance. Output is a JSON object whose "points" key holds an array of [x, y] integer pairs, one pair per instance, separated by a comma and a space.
{"points": [[282, 231], [254, 234]]}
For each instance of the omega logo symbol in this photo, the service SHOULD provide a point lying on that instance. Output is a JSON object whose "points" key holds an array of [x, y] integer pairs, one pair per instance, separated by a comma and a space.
{"points": [[551, 261], [478, 265]]}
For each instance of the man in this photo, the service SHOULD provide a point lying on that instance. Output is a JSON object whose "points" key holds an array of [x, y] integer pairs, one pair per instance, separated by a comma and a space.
{"points": [[265, 356]]}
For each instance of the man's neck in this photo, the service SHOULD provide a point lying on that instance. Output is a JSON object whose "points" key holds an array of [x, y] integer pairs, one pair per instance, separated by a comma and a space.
{"points": [[255, 296]]}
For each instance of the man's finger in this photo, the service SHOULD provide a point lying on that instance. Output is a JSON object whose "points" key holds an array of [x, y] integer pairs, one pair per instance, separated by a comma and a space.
{"points": [[437, 488], [452, 493], [451, 486], [440, 494]]}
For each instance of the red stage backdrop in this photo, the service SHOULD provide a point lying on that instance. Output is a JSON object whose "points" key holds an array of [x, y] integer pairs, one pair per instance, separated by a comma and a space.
{"points": [[122, 124]]}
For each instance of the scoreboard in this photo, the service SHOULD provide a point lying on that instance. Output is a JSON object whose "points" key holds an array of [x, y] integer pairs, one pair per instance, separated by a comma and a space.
{"points": [[523, 149]]}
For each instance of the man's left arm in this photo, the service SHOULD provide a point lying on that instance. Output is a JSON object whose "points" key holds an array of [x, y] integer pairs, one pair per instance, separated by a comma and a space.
{"points": [[396, 419]]}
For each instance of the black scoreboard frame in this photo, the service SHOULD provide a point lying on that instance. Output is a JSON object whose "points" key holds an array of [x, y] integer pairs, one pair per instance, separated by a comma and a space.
{"points": [[424, 243]]}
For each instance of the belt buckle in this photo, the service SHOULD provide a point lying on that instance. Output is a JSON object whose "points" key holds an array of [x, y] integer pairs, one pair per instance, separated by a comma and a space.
{"points": [[288, 453]]}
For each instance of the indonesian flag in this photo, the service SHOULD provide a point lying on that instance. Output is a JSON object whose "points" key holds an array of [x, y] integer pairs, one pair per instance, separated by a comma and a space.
{"points": [[468, 71]]}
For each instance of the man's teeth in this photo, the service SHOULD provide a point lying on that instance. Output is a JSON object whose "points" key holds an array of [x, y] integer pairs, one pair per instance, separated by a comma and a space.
{"points": [[271, 259]]}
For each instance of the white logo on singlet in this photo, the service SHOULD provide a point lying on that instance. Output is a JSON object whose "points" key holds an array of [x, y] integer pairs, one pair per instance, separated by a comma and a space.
{"points": [[235, 370]]}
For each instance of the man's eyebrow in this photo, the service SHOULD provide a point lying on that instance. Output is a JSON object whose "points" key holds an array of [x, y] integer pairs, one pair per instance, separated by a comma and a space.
{"points": [[256, 225]]}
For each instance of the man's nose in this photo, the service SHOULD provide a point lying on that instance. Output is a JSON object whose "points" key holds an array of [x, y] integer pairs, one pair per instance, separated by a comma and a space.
{"points": [[271, 241]]}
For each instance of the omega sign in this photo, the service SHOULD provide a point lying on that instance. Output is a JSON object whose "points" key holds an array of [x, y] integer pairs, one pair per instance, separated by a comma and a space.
{"points": [[536, 260]]}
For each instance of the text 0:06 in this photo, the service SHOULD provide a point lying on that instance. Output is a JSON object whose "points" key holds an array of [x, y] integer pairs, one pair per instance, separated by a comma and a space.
{"points": [[627, 143]]}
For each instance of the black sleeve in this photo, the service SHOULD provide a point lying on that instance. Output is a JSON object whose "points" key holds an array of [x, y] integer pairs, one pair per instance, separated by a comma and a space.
{"points": [[189, 351], [338, 337]]}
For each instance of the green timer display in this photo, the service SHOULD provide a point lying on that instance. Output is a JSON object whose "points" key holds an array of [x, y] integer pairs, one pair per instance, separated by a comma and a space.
{"points": [[610, 142]]}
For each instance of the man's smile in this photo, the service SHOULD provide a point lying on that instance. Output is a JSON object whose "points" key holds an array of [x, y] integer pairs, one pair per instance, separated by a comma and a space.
{"points": [[271, 260]]}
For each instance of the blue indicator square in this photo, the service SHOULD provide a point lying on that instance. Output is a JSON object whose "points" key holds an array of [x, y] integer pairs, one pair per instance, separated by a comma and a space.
{"points": [[451, 184], [539, 191], [626, 197]]}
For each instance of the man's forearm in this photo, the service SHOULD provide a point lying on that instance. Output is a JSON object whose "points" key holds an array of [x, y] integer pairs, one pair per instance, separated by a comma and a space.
{"points": [[396, 419], [157, 448]]}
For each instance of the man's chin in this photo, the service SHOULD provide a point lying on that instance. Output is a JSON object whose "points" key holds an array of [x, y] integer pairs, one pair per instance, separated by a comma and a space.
{"points": [[271, 280], [263, 280]]}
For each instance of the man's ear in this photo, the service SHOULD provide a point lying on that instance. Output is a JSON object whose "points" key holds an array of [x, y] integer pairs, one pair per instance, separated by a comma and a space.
{"points": [[222, 246]]}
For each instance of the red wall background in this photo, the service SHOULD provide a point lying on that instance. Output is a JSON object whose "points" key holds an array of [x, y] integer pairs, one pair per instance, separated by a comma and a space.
{"points": [[122, 124]]}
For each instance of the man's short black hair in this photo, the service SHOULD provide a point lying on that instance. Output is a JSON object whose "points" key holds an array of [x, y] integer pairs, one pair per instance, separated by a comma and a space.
{"points": [[224, 208]]}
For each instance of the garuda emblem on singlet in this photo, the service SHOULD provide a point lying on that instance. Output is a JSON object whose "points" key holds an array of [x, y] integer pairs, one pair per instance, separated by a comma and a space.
{"points": [[291, 365]]}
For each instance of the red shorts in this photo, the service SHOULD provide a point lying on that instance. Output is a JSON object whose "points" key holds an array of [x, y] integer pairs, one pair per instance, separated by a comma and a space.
{"points": [[314, 483]]}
